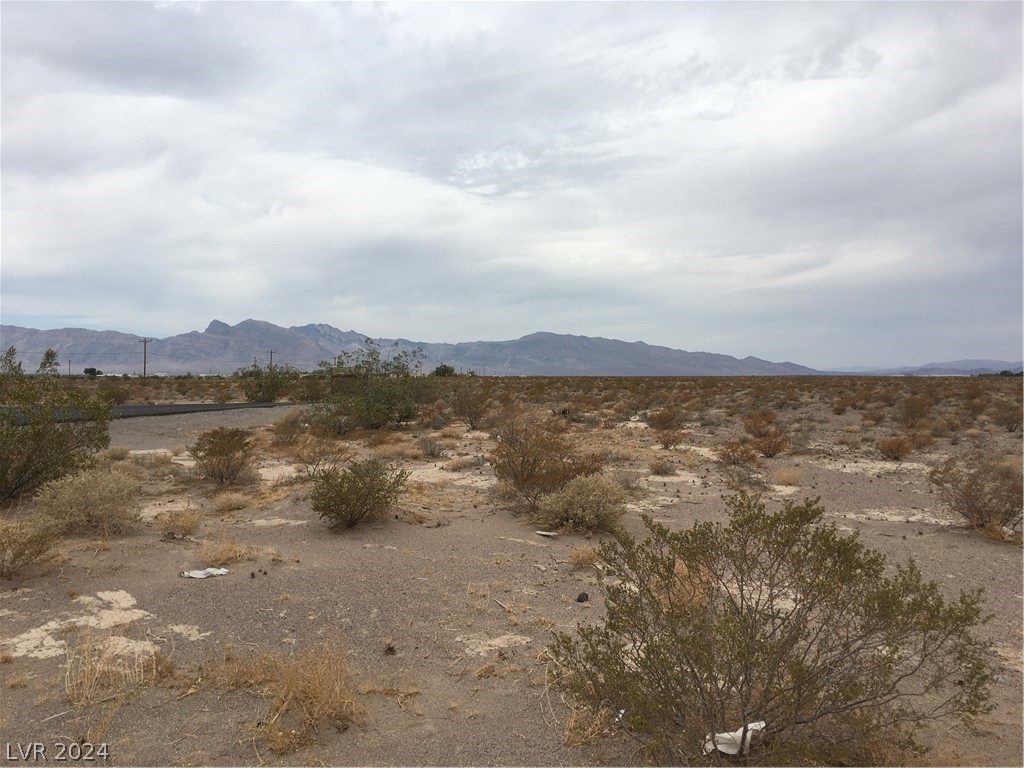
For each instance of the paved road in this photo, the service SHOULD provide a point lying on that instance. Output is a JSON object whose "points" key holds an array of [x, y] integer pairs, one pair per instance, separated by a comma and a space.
{"points": [[133, 411]]}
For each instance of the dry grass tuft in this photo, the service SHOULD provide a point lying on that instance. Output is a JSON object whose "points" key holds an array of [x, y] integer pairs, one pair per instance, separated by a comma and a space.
{"points": [[230, 501], [304, 692], [216, 554], [788, 476], [584, 556], [26, 542], [180, 522]]}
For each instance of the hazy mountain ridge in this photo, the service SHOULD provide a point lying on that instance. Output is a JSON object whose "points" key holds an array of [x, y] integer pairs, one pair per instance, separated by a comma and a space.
{"points": [[223, 348]]}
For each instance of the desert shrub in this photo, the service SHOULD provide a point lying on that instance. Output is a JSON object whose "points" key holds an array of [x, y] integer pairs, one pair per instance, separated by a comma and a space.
{"points": [[914, 410], [1008, 416], [759, 423], [986, 493], [46, 430], [222, 454], [363, 490], [369, 391], [316, 456], [93, 501], [895, 448], [775, 618], [469, 401], [230, 501], [771, 444], [432, 447], [267, 385], [290, 428], [667, 419], [26, 542], [734, 453], [532, 460], [584, 556], [662, 467], [587, 504], [670, 438], [179, 522]]}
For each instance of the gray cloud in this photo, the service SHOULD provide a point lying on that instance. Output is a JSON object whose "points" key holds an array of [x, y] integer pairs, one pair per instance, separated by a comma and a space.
{"points": [[832, 183]]}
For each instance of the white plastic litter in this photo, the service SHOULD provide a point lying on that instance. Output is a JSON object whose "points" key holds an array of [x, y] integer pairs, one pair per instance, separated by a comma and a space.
{"points": [[729, 742], [205, 573]]}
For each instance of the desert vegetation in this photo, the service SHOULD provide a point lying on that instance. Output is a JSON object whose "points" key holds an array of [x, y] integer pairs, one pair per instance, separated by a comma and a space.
{"points": [[643, 563]]}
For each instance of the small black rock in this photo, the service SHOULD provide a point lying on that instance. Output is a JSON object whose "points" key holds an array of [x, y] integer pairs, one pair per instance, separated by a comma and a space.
{"points": [[583, 597]]}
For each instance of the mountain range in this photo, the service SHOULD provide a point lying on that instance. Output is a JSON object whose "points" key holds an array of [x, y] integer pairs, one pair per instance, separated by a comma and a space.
{"points": [[224, 348]]}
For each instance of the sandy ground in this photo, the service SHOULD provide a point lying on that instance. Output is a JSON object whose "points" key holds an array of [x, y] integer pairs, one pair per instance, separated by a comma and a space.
{"points": [[445, 608]]}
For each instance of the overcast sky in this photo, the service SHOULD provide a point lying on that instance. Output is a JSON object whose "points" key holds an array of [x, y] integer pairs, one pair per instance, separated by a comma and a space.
{"points": [[826, 183]]}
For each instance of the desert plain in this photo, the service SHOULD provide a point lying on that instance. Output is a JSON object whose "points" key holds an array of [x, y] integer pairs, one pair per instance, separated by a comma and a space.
{"points": [[441, 612]]}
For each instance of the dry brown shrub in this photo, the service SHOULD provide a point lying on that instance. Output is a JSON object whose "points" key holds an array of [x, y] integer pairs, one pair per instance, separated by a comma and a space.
{"points": [[532, 459], [759, 423], [180, 522], [316, 456], [895, 448], [584, 556], [26, 542], [734, 453], [662, 467], [987, 493], [771, 444], [670, 438], [290, 428]]}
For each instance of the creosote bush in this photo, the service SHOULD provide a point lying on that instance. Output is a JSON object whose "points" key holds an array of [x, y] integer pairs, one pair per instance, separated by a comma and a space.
{"points": [[94, 501], [836, 650], [222, 454], [986, 493], [587, 504], [36, 443], [533, 460], [362, 490]]}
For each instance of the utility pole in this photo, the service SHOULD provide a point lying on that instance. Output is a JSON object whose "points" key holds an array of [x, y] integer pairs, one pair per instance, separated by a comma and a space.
{"points": [[271, 358], [69, 367], [145, 349]]}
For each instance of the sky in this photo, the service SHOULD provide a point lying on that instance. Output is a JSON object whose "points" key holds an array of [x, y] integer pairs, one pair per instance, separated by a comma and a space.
{"points": [[831, 184]]}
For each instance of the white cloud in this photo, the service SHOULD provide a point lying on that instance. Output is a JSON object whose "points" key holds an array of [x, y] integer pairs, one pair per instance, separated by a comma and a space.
{"points": [[672, 172]]}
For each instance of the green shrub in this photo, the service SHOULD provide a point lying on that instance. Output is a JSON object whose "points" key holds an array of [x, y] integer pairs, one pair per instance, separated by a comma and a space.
{"points": [[532, 460], [222, 454], [363, 490], [587, 504], [94, 501], [368, 391], [469, 401], [267, 385], [986, 493], [46, 431], [26, 542], [775, 618]]}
